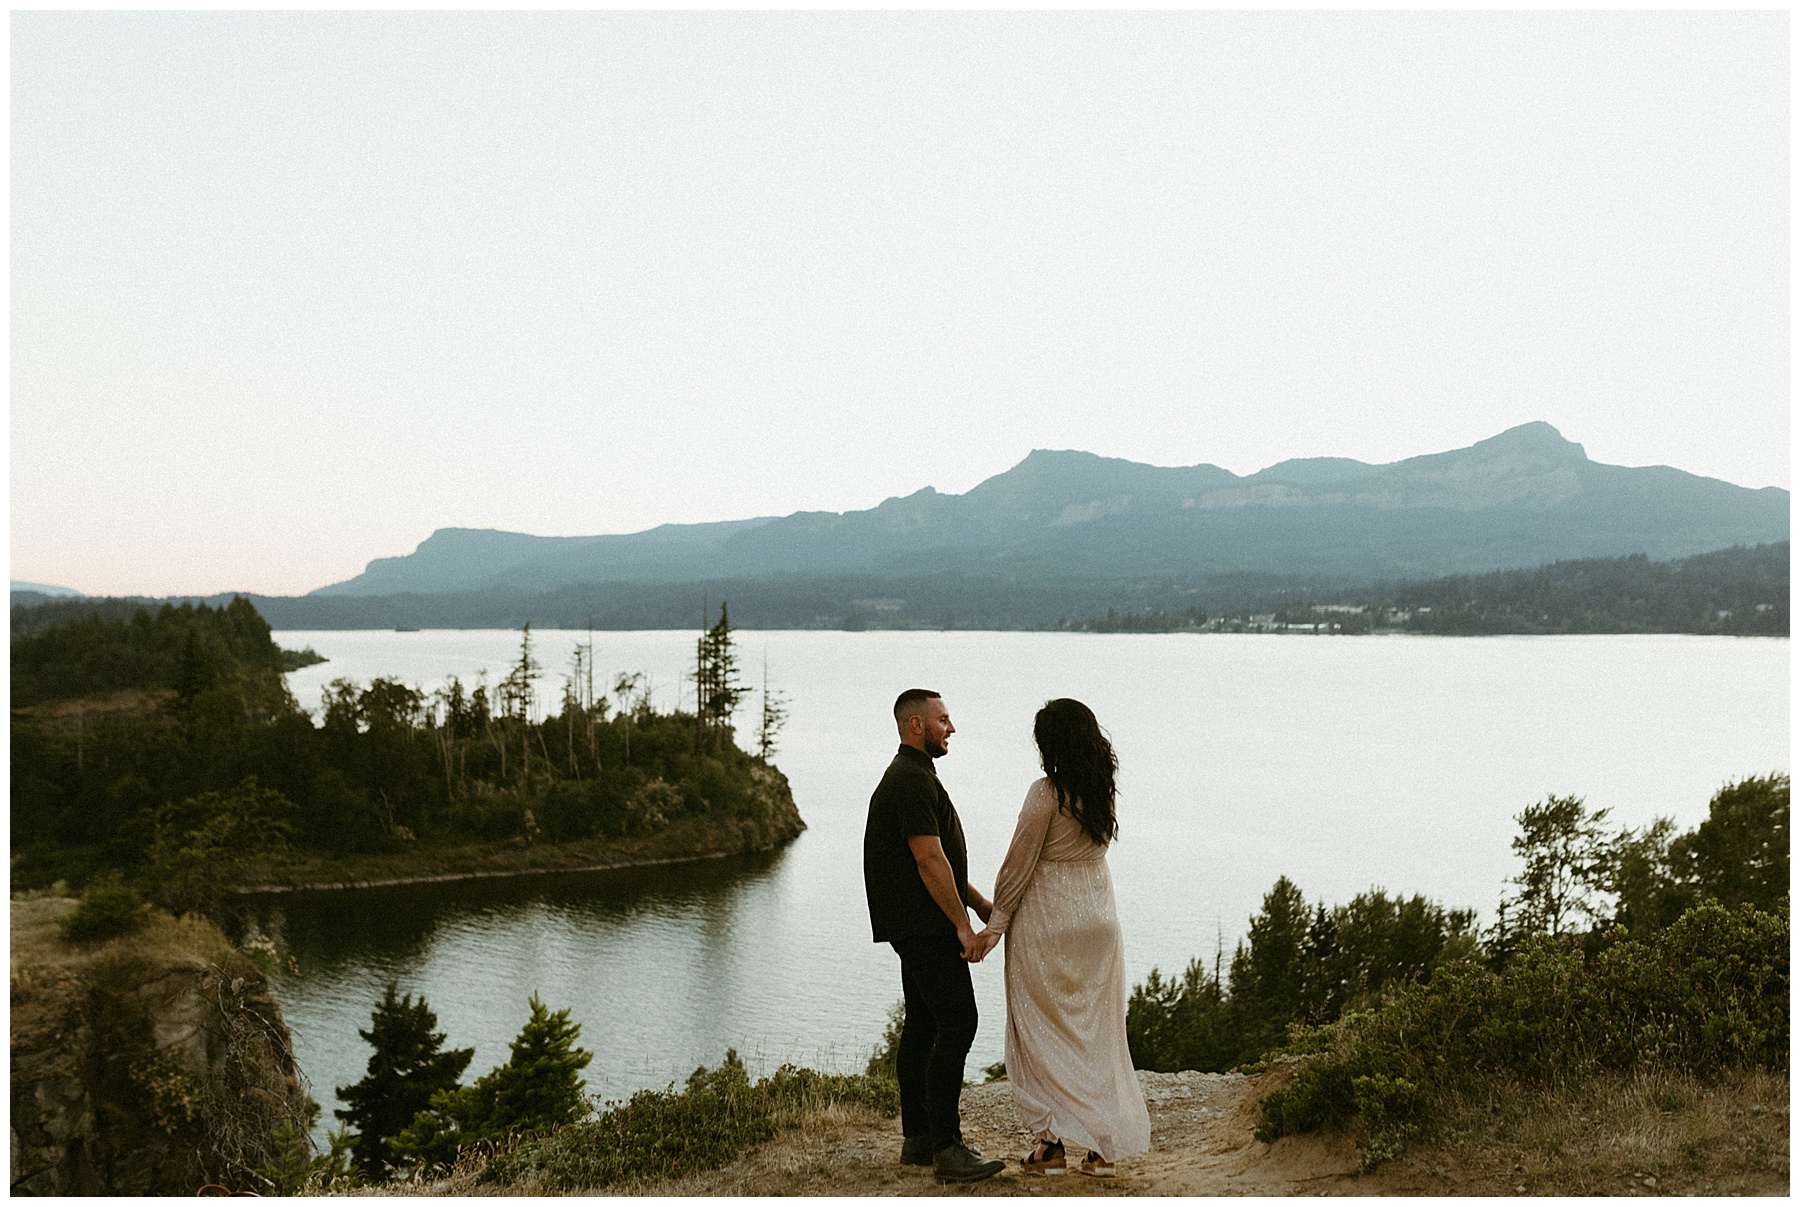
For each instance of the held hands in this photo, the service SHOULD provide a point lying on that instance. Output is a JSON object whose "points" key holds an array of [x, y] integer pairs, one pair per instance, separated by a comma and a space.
{"points": [[977, 946]]}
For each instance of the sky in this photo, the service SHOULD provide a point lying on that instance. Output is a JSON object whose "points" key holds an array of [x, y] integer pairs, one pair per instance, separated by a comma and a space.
{"points": [[292, 290]]}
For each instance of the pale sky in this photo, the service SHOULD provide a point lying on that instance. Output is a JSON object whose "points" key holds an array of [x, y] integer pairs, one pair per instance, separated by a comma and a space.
{"points": [[291, 290]]}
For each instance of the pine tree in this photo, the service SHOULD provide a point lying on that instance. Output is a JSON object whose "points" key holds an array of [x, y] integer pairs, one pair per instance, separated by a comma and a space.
{"points": [[717, 688], [537, 1089], [407, 1069], [774, 717], [1266, 977], [539, 1086], [517, 695]]}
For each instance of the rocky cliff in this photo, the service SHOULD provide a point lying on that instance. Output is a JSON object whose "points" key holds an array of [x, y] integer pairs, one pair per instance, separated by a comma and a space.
{"points": [[154, 1063]]}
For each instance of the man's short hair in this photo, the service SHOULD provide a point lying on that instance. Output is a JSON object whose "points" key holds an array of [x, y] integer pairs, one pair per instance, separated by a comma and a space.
{"points": [[911, 701]]}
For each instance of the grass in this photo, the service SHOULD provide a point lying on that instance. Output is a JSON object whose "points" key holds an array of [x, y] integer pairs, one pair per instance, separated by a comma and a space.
{"points": [[1710, 994], [708, 1124], [1648, 1131]]}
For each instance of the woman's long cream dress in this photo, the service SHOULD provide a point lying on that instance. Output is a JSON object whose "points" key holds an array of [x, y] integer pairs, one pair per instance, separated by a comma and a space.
{"points": [[1066, 1054]]}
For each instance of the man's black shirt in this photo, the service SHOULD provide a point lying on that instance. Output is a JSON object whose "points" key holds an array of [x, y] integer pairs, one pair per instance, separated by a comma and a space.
{"points": [[909, 802]]}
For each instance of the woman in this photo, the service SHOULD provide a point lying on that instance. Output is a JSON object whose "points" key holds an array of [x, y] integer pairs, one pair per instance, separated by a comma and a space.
{"points": [[1066, 1054]]}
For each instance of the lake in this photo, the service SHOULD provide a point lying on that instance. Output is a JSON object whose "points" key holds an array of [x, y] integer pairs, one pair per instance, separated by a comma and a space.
{"points": [[1342, 763]]}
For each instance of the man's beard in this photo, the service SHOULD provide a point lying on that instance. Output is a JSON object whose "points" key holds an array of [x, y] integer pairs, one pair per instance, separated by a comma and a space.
{"points": [[936, 749]]}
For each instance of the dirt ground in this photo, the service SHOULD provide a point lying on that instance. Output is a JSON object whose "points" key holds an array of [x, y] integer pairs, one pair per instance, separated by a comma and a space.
{"points": [[1629, 1136], [1200, 1144]]}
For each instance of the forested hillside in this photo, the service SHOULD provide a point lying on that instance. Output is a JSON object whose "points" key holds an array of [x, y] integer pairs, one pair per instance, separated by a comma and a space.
{"points": [[163, 745], [1738, 591], [77, 648]]}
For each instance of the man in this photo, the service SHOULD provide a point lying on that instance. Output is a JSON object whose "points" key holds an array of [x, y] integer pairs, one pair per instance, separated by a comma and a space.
{"points": [[916, 874]]}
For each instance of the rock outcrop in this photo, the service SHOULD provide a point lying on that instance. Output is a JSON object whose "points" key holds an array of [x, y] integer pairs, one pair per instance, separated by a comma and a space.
{"points": [[154, 1063]]}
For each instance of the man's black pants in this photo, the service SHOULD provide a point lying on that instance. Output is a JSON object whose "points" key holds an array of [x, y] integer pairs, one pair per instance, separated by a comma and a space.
{"points": [[940, 1028]]}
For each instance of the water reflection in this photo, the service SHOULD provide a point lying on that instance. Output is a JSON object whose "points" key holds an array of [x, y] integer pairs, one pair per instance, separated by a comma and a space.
{"points": [[649, 960]]}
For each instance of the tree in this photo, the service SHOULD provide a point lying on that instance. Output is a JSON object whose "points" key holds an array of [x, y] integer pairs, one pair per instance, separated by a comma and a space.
{"points": [[406, 1070], [201, 843], [717, 689], [1267, 978], [774, 717], [1739, 854], [537, 1089], [197, 670], [1564, 848], [1639, 873], [1384, 939], [1183, 1023], [517, 695], [634, 700]]}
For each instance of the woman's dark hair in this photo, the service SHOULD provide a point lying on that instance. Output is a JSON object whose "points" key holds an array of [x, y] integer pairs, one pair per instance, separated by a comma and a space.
{"points": [[1081, 765]]}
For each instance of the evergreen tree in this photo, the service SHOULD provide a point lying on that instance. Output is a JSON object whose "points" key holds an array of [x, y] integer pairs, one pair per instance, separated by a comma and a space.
{"points": [[199, 846], [195, 672], [1267, 979], [540, 1087], [517, 693], [717, 688], [1322, 973], [774, 717], [537, 1089], [406, 1071]]}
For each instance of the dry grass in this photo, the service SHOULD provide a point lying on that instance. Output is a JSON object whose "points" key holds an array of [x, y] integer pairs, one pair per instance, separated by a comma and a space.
{"points": [[1607, 1136], [1612, 1134], [39, 950]]}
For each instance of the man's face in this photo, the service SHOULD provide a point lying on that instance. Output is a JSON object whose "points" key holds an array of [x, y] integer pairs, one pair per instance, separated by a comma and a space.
{"points": [[936, 720]]}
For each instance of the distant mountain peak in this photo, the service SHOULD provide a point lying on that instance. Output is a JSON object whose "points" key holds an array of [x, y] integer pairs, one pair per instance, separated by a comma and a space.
{"points": [[1534, 437]]}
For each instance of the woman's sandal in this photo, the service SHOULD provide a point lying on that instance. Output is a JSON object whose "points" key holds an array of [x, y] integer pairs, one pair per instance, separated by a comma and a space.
{"points": [[1094, 1167], [1047, 1158]]}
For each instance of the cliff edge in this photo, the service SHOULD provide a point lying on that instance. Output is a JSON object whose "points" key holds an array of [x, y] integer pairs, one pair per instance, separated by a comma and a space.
{"points": [[153, 1063]]}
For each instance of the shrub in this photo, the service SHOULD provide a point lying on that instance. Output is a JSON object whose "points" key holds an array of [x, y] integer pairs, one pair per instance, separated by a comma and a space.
{"points": [[661, 1134], [1709, 993], [107, 910], [884, 1061]]}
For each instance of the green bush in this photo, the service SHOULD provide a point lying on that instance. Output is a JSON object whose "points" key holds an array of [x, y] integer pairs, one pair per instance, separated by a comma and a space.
{"points": [[106, 911], [1709, 993], [884, 1061], [660, 1134]]}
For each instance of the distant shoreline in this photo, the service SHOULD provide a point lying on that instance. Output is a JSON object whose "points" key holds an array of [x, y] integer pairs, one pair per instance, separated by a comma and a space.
{"points": [[692, 841], [256, 890]]}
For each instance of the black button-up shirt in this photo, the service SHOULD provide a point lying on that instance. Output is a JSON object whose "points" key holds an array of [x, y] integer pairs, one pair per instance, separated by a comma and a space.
{"points": [[909, 802]]}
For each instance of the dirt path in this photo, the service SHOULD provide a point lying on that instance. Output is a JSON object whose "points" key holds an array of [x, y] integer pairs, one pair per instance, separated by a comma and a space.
{"points": [[1200, 1144]]}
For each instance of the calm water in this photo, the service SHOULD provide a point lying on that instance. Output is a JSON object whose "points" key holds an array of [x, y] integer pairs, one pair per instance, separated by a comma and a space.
{"points": [[1343, 763]]}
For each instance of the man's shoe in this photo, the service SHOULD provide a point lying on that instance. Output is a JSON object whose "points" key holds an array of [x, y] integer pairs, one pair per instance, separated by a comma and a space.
{"points": [[916, 1150], [960, 1163]]}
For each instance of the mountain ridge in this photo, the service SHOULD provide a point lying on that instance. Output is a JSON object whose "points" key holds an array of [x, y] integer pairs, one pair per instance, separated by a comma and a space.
{"points": [[1522, 497]]}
